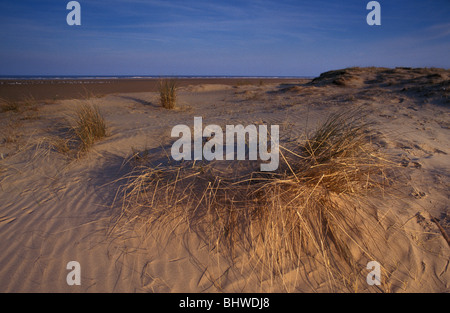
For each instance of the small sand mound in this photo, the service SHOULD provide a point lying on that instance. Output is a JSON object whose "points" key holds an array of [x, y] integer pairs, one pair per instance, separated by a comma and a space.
{"points": [[208, 88]]}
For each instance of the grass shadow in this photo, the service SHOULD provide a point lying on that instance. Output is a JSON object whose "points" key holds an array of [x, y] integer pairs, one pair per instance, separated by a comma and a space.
{"points": [[140, 101]]}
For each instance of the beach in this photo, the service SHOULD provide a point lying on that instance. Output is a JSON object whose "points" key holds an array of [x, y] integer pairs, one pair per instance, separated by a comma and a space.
{"points": [[60, 89], [60, 205]]}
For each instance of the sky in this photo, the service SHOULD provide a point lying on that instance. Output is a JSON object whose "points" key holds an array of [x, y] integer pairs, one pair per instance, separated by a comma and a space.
{"points": [[219, 37]]}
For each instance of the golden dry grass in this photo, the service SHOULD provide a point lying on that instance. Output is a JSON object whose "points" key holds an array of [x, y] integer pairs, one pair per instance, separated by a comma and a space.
{"points": [[313, 206], [8, 105], [78, 133], [168, 93], [28, 103], [90, 125]]}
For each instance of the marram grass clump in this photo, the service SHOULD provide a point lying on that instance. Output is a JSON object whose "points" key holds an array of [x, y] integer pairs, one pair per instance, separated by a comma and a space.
{"points": [[87, 126], [8, 105], [316, 203], [77, 133], [168, 93], [313, 206], [90, 125]]}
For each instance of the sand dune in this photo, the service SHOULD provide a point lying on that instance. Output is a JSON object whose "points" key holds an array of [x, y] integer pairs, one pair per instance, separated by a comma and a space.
{"points": [[57, 209]]}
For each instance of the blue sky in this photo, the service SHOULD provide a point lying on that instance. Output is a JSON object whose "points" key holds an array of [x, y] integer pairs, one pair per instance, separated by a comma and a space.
{"points": [[219, 37]]}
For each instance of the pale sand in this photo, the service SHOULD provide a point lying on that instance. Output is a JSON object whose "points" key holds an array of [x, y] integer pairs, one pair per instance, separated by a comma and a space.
{"points": [[53, 211]]}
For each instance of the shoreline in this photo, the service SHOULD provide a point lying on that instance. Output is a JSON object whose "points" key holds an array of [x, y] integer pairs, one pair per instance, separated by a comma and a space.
{"points": [[63, 89]]}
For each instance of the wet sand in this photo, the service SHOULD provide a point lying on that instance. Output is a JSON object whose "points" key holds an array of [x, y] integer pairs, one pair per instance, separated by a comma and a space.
{"points": [[63, 89]]}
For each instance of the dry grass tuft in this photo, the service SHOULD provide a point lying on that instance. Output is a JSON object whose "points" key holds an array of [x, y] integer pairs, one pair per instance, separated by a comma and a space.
{"points": [[28, 103], [77, 134], [90, 126], [10, 133], [9, 106], [340, 156], [313, 206], [167, 92]]}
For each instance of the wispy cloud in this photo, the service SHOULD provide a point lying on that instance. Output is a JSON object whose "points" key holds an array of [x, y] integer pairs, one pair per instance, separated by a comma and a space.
{"points": [[288, 35]]}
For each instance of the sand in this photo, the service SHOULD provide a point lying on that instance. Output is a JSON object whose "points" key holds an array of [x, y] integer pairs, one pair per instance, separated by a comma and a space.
{"points": [[60, 89], [55, 209]]}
